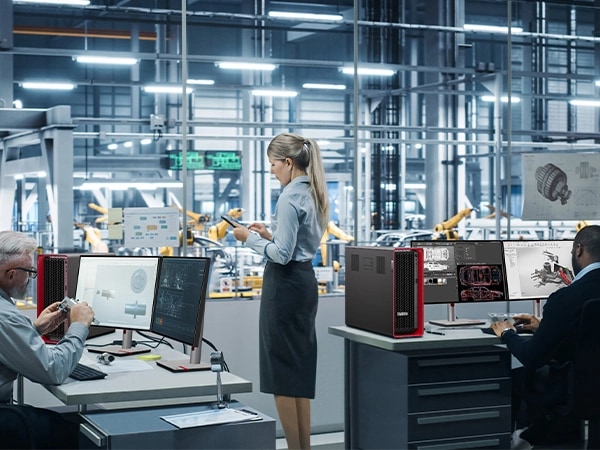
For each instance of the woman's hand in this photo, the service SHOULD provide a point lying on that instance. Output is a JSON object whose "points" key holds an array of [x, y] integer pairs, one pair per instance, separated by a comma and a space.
{"points": [[261, 229]]}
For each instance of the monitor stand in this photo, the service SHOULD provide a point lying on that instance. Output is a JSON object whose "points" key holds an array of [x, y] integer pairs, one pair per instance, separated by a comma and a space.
{"points": [[125, 349], [453, 321], [537, 308], [186, 365]]}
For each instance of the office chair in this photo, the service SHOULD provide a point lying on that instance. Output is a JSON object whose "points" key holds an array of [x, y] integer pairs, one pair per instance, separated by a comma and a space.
{"points": [[15, 429], [586, 390]]}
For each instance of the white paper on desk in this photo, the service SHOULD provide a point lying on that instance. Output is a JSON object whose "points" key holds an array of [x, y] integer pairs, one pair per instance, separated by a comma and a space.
{"points": [[125, 365], [210, 417]]}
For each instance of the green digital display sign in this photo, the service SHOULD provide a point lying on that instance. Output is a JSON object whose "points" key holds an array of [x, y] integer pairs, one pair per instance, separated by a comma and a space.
{"points": [[206, 160]]}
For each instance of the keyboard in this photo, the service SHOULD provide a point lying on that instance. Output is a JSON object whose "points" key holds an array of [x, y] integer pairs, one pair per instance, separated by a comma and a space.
{"points": [[519, 329], [84, 373]]}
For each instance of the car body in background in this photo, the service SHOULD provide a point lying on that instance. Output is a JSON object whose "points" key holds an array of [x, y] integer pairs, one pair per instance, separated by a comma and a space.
{"points": [[402, 238]]}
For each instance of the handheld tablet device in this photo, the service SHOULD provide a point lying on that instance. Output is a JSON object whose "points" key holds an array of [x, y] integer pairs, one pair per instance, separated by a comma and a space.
{"points": [[230, 220]]}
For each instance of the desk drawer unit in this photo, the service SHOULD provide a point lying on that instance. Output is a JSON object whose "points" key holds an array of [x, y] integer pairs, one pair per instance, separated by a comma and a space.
{"points": [[442, 399], [143, 428]]}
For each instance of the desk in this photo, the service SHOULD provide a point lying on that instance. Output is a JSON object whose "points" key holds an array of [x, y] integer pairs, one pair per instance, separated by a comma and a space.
{"points": [[155, 383], [449, 391], [139, 426]]}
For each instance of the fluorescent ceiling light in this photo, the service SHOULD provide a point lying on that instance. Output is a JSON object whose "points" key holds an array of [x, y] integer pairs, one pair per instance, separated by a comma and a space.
{"points": [[122, 186], [273, 93], [49, 85], [492, 29], [22, 176], [199, 81], [597, 82], [414, 186], [146, 141], [112, 146], [338, 87], [108, 60], [305, 16], [503, 99], [245, 66], [57, 2], [375, 71], [166, 89], [581, 102]]}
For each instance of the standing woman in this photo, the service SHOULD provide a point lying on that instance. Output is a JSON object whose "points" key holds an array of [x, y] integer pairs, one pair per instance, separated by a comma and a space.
{"points": [[288, 342]]}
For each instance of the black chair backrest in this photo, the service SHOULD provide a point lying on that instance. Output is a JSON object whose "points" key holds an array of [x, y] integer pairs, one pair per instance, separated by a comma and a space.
{"points": [[15, 429], [586, 389]]}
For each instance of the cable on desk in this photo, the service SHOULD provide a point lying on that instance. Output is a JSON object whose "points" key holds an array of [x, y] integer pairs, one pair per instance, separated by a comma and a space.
{"points": [[152, 339], [158, 341], [108, 344]]}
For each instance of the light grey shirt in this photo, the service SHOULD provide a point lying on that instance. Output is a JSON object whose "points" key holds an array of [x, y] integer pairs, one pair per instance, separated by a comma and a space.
{"points": [[294, 226], [22, 350]]}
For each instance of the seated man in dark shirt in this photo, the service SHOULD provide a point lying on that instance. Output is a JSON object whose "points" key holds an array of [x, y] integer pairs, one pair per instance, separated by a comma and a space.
{"points": [[547, 354]]}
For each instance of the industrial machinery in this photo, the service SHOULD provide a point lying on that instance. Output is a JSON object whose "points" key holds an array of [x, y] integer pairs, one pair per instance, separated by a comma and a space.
{"points": [[101, 210], [333, 229], [492, 214], [581, 224], [446, 230], [198, 221], [92, 236]]}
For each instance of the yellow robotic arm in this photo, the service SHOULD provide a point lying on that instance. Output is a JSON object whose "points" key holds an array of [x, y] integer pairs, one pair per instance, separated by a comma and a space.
{"points": [[219, 231], [336, 231], [101, 210], [446, 229], [92, 237], [197, 221]]}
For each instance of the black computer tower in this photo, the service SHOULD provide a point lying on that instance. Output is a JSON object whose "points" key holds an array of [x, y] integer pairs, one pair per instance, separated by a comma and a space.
{"points": [[384, 290]]}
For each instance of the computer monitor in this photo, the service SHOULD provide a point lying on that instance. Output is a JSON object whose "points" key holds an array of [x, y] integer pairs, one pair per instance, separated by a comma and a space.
{"points": [[460, 272], [535, 269], [179, 306], [121, 291]]}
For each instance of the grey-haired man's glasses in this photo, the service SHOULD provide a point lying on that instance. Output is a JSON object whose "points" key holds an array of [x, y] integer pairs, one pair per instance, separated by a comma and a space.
{"points": [[31, 271]]}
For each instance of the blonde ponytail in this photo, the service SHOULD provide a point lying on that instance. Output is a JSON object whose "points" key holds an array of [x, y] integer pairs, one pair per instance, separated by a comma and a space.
{"points": [[306, 154]]}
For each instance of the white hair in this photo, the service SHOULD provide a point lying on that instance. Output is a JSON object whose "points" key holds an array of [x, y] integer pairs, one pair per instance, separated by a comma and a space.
{"points": [[15, 245]]}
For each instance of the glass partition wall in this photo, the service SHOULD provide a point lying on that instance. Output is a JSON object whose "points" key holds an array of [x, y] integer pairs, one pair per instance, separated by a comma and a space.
{"points": [[422, 109]]}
